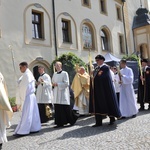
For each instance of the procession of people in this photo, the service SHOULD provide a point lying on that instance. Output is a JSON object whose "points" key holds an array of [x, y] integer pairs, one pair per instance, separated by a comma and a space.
{"points": [[99, 92]]}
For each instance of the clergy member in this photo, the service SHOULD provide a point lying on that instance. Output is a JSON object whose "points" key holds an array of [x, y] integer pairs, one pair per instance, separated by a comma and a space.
{"points": [[5, 111], [63, 111], [116, 82], [80, 86], [30, 119], [128, 104], [44, 95], [103, 100], [143, 86]]}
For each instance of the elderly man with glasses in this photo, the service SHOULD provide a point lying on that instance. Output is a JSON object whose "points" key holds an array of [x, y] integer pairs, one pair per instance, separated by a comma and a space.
{"points": [[103, 100]]}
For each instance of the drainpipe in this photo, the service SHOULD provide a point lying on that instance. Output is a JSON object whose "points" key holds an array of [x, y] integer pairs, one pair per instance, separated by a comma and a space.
{"points": [[54, 25], [124, 27], [134, 41]]}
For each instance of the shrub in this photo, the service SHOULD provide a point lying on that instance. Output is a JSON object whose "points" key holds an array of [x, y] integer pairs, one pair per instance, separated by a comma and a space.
{"points": [[131, 58], [68, 61]]}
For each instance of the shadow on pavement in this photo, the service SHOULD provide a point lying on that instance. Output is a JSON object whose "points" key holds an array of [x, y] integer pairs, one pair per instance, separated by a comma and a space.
{"points": [[88, 131]]}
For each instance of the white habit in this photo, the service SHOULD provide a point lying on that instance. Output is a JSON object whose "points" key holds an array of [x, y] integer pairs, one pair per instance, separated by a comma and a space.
{"points": [[30, 119], [5, 110], [61, 92], [44, 92], [128, 104]]}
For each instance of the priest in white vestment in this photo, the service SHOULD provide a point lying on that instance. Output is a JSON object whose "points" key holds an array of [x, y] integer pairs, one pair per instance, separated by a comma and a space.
{"points": [[61, 100], [30, 119], [81, 88], [128, 104], [5, 111], [44, 95]]}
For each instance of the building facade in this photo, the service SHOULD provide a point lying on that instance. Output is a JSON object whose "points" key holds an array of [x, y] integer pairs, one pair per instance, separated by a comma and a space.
{"points": [[38, 31]]}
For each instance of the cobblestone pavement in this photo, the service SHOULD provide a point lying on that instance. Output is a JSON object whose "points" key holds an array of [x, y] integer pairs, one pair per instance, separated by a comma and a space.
{"points": [[127, 134]]}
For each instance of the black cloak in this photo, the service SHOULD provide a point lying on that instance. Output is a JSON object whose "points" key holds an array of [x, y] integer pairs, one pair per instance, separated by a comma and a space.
{"points": [[103, 98], [144, 89]]}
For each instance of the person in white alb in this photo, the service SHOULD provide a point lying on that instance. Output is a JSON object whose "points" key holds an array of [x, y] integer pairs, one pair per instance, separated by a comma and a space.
{"points": [[63, 112], [30, 119], [44, 95], [5, 111], [128, 104]]}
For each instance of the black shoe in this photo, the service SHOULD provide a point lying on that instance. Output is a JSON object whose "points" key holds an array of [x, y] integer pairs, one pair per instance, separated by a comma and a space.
{"points": [[112, 120], [34, 132], [141, 109], [74, 120], [0, 146], [133, 116], [58, 126], [19, 135], [104, 117], [97, 125], [122, 118]]}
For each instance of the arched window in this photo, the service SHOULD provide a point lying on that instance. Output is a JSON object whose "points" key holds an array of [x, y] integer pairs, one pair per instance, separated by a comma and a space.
{"points": [[87, 36], [143, 51], [104, 40]]}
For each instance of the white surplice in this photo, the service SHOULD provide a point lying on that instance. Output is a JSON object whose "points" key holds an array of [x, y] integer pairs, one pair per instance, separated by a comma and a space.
{"points": [[5, 110], [61, 92], [44, 93], [128, 104], [30, 119]]}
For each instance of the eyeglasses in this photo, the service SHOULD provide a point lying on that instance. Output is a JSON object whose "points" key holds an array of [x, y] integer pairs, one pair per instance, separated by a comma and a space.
{"points": [[97, 60]]}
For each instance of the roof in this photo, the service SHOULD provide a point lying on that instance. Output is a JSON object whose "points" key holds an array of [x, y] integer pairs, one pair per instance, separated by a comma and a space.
{"points": [[141, 19], [109, 57]]}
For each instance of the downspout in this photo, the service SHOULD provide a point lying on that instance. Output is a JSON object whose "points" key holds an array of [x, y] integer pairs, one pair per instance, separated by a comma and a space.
{"points": [[124, 27], [54, 25], [134, 40]]}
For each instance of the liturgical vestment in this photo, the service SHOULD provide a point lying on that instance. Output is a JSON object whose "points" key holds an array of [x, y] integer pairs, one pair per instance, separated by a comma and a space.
{"points": [[5, 110], [128, 104], [30, 119]]}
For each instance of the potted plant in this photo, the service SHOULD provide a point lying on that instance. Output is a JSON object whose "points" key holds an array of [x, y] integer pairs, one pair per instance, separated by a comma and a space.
{"points": [[13, 104]]}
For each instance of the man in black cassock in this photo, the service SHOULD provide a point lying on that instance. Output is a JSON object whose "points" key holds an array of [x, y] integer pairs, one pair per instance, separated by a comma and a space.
{"points": [[103, 100], [144, 85]]}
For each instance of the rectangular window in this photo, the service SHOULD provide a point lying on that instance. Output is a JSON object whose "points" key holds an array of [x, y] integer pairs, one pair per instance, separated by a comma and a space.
{"points": [[86, 2], [37, 30], [118, 11], [103, 6], [121, 44], [66, 26]]}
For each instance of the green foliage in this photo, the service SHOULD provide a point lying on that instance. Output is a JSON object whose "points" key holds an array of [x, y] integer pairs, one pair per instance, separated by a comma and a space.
{"points": [[68, 60], [131, 58], [12, 101]]}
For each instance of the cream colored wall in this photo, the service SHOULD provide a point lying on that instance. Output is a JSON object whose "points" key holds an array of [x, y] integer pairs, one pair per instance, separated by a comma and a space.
{"points": [[93, 16], [142, 38], [132, 7], [15, 29]]}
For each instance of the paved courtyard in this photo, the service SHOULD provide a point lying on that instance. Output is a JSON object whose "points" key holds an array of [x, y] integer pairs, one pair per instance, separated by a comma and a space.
{"points": [[127, 134]]}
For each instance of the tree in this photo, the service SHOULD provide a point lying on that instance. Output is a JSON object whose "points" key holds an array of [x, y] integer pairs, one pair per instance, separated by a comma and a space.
{"points": [[131, 58], [69, 61]]}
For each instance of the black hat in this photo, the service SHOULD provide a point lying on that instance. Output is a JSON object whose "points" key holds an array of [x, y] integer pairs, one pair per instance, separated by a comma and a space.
{"points": [[144, 60], [100, 57]]}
